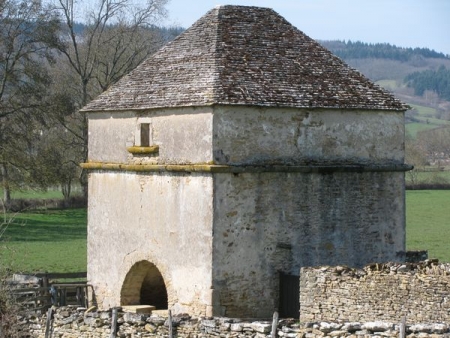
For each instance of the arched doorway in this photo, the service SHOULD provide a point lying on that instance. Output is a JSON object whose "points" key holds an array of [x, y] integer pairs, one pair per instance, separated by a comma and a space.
{"points": [[144, 285]]}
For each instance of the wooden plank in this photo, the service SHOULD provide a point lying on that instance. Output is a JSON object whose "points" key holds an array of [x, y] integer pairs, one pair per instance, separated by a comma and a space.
{"points": [[62, 275], [34, 309], [45, 299], [25, 279], [35, 298], [24, 290], [35, 278]]}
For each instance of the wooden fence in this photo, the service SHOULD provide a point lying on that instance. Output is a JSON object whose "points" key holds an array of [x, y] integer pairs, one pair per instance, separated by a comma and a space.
{"points": [[38, 292]]}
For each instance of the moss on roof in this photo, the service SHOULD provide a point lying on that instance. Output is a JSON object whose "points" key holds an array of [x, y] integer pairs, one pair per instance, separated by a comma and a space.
{"points": [[240, 55]]}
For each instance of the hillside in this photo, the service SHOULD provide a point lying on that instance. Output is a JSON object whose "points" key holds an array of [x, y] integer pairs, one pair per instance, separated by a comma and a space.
{"points": [[426, 71]]}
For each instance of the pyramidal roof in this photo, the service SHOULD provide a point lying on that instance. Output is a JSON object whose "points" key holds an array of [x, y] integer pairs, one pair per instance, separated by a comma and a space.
{"points": [[240, 55]]}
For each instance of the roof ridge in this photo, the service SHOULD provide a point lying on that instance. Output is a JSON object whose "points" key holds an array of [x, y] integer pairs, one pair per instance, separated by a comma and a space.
{"points": [[216, 74]]}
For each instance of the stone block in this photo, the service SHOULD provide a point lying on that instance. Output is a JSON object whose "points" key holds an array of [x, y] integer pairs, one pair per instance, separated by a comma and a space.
{"points": [[132, 317], [377, 326], [261, 327], [351, 326], [138, 308], [237, 327]]}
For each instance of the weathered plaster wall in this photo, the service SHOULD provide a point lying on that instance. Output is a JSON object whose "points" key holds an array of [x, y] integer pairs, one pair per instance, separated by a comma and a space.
{"points": [[164, 218], [237, 135], [258, 135], [274, 222], [109, 134], [379, 292], [183, 135], [270, 222]]}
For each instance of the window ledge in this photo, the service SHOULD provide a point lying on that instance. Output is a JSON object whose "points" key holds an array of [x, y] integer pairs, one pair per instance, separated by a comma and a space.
{"points": [[143, 150]]}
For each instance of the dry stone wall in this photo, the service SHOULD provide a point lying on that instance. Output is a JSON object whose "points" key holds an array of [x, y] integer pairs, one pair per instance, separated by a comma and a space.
{"points": [[72, 322], [378, 292]]}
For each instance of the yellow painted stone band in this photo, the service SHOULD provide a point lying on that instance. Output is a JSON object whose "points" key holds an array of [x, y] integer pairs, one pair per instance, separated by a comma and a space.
{"points": [[215, 168], [143, 150]]}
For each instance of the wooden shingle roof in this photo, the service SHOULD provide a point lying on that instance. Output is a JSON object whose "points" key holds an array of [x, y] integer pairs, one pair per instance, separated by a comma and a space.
{"points": [[239, 55]]}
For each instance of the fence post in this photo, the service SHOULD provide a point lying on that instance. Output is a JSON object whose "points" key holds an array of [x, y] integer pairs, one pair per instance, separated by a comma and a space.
{"points": [[402, 329], [114, 323], [49, 323], [170, 325], [274, 324], [46, 290]]}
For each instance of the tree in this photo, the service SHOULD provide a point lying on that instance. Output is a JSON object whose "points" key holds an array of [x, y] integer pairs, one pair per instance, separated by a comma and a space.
{"points": [[55, 161], [28, 32], [118, 35], [414, 155], [435, 144], [437, 81]]}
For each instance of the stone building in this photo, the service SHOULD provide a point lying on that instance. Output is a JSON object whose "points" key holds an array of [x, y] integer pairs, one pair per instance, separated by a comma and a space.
{"points": [[238, 153]]}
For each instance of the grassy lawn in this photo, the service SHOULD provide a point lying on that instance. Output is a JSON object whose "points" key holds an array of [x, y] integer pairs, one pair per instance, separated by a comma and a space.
{"points": [[424, 111], [41, 194], [414, 127], [47, 240], [426, 120], [428, 222]]}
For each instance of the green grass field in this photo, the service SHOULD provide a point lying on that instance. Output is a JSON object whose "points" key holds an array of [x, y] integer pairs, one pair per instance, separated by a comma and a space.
{"points": [[424, 111], [414, 127], [428, 222], [47, 240], [55, 240], [42, 194], [426, 120]]}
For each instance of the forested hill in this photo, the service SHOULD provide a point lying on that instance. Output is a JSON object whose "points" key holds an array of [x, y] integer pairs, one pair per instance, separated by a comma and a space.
{"points": [[420, 77], [414, 74], [362, 50]]}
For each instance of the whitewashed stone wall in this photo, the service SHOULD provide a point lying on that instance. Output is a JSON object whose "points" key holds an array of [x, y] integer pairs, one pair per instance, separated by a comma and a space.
{"points": [[163, 218], [183, 136], [252, 135], [220, 239]]}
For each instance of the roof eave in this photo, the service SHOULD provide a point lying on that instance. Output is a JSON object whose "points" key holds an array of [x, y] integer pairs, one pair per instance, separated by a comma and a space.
{"points": [[264, 105]]}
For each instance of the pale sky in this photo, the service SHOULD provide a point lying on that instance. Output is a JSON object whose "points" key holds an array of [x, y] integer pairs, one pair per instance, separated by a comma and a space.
{"points": [[405, 23]]}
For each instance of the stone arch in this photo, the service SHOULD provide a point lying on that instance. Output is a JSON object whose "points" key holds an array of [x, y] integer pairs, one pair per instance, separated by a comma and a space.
{"points": [[144, 285]]}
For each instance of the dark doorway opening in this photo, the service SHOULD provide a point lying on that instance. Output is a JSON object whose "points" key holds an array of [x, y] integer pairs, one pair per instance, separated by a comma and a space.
{"points": [[289, 305], [144, 285]]}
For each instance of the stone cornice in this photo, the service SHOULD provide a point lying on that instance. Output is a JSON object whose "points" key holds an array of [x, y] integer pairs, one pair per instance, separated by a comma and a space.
{"points": [[216, 168]]}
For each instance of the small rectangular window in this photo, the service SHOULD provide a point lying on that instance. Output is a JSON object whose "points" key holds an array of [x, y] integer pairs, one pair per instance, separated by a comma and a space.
{"points": [[145, 134]]}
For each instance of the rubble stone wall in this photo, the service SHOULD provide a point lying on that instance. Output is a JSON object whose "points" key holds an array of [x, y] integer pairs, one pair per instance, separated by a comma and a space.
{"points": [[290, 220], [378, 292], [72, 322]]}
